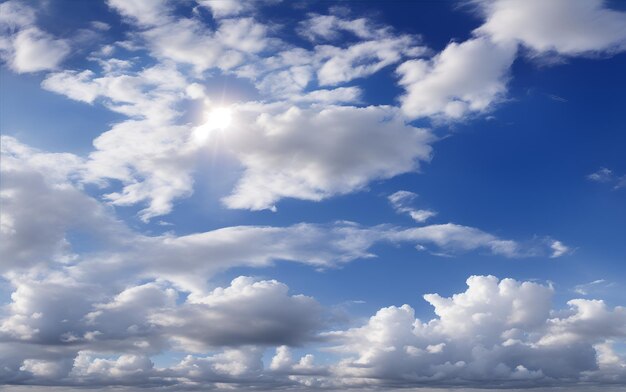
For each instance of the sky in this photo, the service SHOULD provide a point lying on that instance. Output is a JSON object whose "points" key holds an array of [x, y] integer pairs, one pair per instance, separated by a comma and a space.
{"points": [[313, 195]]}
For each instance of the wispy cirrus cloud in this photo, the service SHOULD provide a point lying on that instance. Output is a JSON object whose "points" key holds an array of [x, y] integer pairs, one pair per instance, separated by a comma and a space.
{"points": [[604, 175]]}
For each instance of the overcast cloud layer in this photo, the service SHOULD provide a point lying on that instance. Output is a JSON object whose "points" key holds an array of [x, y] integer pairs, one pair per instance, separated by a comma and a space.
{"points": [[92, 299]]}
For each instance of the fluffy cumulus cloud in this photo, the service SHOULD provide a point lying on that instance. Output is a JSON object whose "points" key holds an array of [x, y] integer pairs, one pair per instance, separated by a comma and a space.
{"points": [[464, 78], [50, 334], [495, 330], [301, 153], [504, 330]]}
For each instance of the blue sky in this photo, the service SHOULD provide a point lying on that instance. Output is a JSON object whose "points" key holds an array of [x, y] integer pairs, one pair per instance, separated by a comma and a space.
{"points": [[313, 195]]}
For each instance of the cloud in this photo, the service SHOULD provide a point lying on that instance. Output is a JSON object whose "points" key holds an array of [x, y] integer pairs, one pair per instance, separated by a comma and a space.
{"points": [[584, 288], [130, 369], [313, 154], [495, 330], [16, 15], [161, 171], [136, 302], [28, 182], [146, 153], [503, 330], [581, 28], [558, 249], [97, 303], [451, 237], [604, 175], [470, 77], [24, 46], [247, 312], [189, 41], [401, 201], [363, 59], [226, 8], [61, 333], [464, 78], [287, 72], [144, 13], [319, 27], [40, 207]]}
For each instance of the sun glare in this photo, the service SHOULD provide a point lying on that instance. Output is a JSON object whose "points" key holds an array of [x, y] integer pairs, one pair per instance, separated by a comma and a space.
{"points": [[217, 119]]}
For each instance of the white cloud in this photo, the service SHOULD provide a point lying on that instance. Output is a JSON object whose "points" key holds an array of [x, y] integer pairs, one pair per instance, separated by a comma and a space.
{"points": [[189, 41], [495, 330], [226, 8], [330, 96], [127, 368], [470, 77], [43, 368], [584, 288], [463, 79], [588, 320], [402, 202], [287, 72], [313, 154], [363, 59], [329, 27], [62, 209], [504, 330], [568, 28], [451, 237], [144, 13], [559, 249], [15, 15], [98, 317], [604, 175], [201, 255], [24, 46], [161, 170], [148, 153]]}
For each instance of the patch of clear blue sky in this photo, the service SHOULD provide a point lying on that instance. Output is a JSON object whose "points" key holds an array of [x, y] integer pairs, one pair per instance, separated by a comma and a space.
{"points": [[518, 175]]}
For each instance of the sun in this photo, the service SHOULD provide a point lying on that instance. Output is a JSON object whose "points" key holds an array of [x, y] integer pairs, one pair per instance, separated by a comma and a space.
{"points": [[219, 118], [216, 119]]}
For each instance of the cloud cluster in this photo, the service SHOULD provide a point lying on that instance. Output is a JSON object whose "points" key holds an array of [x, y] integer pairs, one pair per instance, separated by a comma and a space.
{"points": [[501, 331], [470, 77], [303, 167], [295, 84], [95, 302], [49, 206], [51, 336], [141, 296]]}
